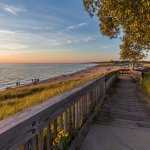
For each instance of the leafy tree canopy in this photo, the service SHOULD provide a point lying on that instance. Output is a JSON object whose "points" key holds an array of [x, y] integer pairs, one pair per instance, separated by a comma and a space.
{"points": [[132, 17]]}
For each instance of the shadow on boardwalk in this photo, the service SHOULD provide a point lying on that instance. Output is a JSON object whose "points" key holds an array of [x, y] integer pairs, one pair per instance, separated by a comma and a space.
{"points": [[123, 123]]}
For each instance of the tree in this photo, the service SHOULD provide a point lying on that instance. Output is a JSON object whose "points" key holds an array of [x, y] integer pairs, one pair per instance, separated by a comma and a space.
{"points": [[131, 51], [132, 17]]}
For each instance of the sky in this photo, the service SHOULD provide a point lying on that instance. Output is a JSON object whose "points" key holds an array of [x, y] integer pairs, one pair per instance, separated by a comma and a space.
{"points": [[51, 31]]}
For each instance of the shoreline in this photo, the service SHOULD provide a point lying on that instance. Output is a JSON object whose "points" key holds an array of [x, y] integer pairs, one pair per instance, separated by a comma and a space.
{"points": [[22, 98], [89, 71], [18, 83]]}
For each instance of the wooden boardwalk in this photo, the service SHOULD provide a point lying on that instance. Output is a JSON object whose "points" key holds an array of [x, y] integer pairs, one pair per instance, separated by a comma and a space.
{"points": [[123, 123]]}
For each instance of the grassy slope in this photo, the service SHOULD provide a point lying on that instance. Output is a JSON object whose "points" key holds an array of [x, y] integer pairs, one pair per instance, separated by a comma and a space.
{"points": [[13, 101], [146, 84], [110, 64], [147, 65]]}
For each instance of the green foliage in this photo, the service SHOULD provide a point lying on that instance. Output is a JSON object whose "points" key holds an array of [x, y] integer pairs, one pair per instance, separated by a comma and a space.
{"points": [[132, 52], [132, 17], [145, 86]]}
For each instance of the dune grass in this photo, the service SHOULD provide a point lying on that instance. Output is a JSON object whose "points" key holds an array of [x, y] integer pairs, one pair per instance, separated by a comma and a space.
{"points": [[13, 101], [145, 86], [147, 65], [107, 64]]}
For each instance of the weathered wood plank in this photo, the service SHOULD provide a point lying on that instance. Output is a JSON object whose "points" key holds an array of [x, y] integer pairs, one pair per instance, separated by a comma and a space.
{"points": [[40, 140], [65, 121], [48, 138]]}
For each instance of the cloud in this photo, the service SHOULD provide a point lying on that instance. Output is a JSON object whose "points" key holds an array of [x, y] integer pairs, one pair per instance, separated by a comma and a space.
{"points": [[73, 40], [12, 46], [12, 40], [88, 39], [3, 31], [55, 42], [41, 28], [76, 26], [11, 9], [68, 42], [108, 46]]}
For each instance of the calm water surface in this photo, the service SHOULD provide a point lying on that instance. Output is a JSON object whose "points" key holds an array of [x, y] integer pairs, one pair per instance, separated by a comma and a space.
{"points": [[11, 73]]}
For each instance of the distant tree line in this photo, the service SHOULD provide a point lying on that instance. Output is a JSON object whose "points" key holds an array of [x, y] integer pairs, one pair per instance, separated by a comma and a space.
{"points": [[120, 62]]}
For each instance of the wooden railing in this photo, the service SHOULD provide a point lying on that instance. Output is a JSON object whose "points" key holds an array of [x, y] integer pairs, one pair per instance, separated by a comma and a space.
{"points": [[124, 71], [137, 75], [58, 123]]}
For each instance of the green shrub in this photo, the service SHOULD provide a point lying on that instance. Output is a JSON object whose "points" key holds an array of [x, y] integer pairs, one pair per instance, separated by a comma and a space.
{"points": [[146, 84]]}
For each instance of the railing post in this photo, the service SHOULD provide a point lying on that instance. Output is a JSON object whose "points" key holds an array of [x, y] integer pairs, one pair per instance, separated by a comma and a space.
{"points": [[65, 121], [61, 122], [76, 115], [105, 86], [70, 119], [142, 76], [30, 145], [61, 128], [49, 137], [40, 140], [74, 123]]}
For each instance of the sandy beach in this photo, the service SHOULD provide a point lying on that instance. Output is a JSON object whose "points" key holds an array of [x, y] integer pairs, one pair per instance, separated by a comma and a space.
{"points": [[82, 73], [90, 71]]}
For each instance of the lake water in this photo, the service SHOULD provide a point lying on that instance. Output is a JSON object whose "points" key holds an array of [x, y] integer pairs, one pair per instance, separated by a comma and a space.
{"points": [[11, 73]]}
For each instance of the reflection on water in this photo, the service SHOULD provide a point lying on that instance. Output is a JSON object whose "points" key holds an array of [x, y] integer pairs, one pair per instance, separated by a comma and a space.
{"points": [[11, 73]]}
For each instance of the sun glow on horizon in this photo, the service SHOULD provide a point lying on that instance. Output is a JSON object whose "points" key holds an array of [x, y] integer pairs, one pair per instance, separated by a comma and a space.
{"points": [[51, 56]]}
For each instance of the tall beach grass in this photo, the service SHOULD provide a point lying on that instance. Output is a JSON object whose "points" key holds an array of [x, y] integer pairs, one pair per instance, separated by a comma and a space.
{"points": [[13, 101], [145, 86]]}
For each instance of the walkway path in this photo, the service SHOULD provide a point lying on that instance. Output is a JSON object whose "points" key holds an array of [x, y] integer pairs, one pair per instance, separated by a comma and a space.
{"points": [[123, 123]]}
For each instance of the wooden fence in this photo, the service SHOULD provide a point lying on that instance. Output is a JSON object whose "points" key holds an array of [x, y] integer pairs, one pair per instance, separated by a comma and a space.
{"points": [[137, 75], [58, 123]]}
